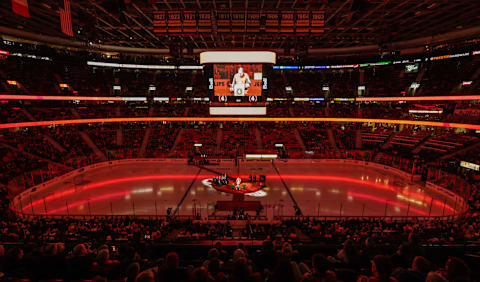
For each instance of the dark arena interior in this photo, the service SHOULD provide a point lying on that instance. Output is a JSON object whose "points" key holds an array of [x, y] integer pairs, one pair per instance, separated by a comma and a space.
{"points": [[232, 141]]}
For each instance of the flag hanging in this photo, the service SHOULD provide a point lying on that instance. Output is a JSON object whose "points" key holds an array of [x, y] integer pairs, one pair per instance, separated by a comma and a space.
{"points": [[66, 18], [20, 7]]}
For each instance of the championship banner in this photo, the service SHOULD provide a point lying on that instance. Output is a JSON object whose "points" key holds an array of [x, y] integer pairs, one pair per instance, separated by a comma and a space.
{"points": [[253, 22], [223, 21], [302, 22], [287, 23], [189, 19], [204, 21], [174, 22], [302, 25], [271, 23], [317, 22], [66, 18], [21, 7], [160, 22], [238, 22]]}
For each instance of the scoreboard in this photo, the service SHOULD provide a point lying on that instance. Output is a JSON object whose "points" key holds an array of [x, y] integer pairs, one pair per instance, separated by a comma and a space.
{"points": [[237, 80], [226, 75], [184, 22]]}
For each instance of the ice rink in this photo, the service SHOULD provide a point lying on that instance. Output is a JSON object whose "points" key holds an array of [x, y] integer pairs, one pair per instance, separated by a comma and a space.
{"points": [[318, 188]]}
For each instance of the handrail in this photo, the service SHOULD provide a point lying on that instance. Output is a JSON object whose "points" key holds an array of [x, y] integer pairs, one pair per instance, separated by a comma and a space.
{"points": [[238, 119]]}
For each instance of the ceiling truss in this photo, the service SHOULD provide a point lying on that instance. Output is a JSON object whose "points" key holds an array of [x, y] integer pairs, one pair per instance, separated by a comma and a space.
{"points": [[347, 23]]}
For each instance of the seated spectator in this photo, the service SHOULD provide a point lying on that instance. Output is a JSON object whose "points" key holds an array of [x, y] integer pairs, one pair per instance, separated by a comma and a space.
{"points": [[435, 277], [171, 271], [266, 259], [418, 272], [213, 254], [78, 264], [132, 272], [103, 266], [200, 274], [457, 270], [401, 258], [241, 246], [370, 249], [223, 256], [283, 272], [238, 254], [215, 270], [50, 263], [349, 255], [381, 269], [14, 263], [146, 276], [320, 271], [241, 271]]}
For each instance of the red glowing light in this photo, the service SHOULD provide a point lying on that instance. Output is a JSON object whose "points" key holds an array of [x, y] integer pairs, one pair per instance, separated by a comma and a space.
{"points": [[59, 98], [237, 119], [109, 182], [90, 200], [191, 176], [419, 98], [381, 200]]}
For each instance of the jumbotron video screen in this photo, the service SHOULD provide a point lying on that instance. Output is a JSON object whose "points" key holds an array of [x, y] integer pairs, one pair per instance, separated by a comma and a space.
{"points": [[238, 79]]}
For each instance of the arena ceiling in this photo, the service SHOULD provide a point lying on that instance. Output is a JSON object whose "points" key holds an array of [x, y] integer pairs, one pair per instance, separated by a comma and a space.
{"points": [[348, 23]]}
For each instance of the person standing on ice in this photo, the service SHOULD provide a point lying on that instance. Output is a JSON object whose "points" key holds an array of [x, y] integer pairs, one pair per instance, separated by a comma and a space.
{"points": [[241, 80], [239, 180]]}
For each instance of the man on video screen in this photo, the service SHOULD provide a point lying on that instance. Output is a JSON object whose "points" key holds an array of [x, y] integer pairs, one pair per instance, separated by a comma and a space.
{"points": [[240, 83]]}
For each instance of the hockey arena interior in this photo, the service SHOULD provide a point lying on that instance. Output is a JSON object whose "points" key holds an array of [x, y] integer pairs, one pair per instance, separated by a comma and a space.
{"points": [[231, 141]]}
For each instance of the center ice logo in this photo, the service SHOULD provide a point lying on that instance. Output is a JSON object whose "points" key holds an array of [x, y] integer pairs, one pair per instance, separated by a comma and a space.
{"points": [[253, 190]]}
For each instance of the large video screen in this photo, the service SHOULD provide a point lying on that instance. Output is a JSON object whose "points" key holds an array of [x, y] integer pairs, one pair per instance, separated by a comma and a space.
{"points": [[237, 79]]}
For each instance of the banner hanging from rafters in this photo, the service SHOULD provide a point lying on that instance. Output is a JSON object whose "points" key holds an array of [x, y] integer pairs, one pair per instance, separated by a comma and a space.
{"points": [[66, 17], [183, 22], [21, 7]]}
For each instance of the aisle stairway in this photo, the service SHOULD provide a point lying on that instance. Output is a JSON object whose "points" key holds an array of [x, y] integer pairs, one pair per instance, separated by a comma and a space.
{"points": [[331, 139], [419, 147], [119, 139], [177, 141], [388, 142], [143, 147], [461, 151], [146, 136], [300, 140], [89, 140], [358, 139], [33, 156], [47, 137], [179, 137]]}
